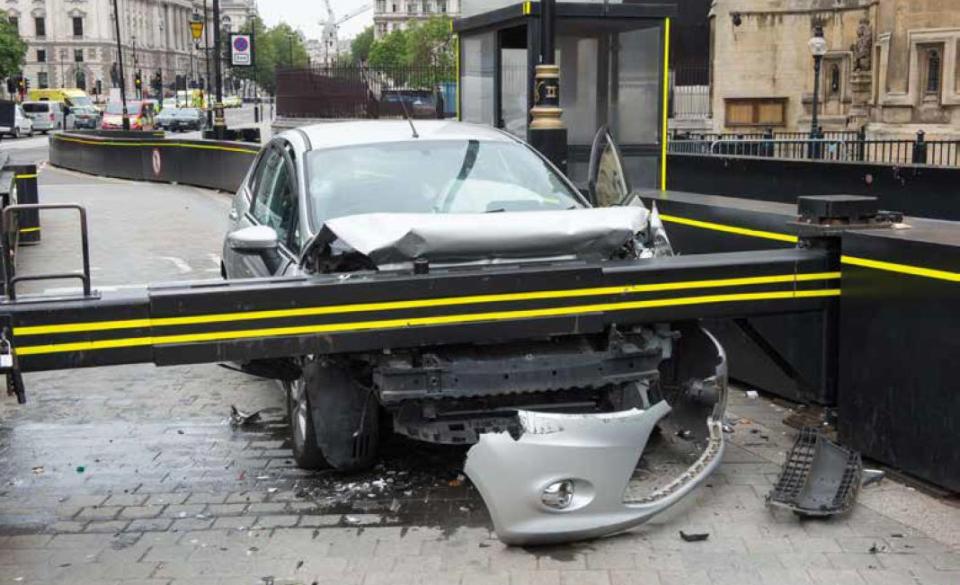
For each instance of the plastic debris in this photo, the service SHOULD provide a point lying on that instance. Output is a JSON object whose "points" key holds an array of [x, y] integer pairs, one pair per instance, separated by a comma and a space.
{"points": [[694, 536], [238, 418], [753, 394]]}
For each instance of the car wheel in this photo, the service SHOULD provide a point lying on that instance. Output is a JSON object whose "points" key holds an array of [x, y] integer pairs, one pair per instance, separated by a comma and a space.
{"points": [[16, 131], [334, 422], [44, 132]]}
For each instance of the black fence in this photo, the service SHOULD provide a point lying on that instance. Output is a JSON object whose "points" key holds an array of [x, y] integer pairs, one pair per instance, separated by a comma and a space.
{"points": [[841, 146], [361, 92]]}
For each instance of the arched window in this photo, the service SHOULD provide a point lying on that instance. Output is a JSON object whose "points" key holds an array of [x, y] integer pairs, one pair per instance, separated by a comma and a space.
{"points": [[933, 72], [835, 80]]}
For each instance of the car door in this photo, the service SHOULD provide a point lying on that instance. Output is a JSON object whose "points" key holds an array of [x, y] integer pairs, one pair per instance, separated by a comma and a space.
{"points": [[273, 203], [607, 180]]}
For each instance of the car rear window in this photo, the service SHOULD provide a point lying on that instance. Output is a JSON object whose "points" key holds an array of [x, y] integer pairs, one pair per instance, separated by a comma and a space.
{"points": [[34, 108]]}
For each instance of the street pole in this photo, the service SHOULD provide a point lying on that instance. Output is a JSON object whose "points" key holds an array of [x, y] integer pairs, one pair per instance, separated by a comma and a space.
{"points": [[818, 47], [219, 124], [548, 134], [123, 80], [256, 91], [206, 86]]}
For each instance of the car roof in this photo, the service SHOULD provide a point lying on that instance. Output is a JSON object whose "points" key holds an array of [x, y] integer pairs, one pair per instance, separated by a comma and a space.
{"points": [[357, 133]]}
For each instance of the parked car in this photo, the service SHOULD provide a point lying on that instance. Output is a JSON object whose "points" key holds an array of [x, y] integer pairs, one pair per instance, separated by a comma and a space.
{"points": [[22, 125], [420, 103], [375, 196], [84, 117], [141, 116], [45, 115], [181, 119]]}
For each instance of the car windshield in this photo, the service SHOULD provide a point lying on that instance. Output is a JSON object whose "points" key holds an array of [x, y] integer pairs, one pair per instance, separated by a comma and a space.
{"points": [[450, 176], [35, 107], [186, 113], [82, 101], [116, 108]]}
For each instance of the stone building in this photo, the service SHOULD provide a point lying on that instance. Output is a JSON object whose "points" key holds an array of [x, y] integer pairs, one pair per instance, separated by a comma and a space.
{"points": [[390, 15], [891, 65], [72, 43]]}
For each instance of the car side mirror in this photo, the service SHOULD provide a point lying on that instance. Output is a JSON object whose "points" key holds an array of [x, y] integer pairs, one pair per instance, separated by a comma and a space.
{"points": [[254, 240]]}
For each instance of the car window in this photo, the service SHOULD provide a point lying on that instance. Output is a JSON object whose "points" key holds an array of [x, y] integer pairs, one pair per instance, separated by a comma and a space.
{"points": [[35, 108], [443, 176], [275, 202]]}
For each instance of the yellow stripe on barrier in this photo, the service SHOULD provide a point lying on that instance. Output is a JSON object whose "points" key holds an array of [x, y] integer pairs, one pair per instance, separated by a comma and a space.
{"points": [[719, 227], [666, 105], [29, 230], [418, 304], [33, 176], [901, 268], [420, 321], [848, 260], [527, 8], [157, 144]]}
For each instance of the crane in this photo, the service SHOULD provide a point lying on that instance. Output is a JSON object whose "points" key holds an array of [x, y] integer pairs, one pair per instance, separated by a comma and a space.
{"points": [[331, 29]]}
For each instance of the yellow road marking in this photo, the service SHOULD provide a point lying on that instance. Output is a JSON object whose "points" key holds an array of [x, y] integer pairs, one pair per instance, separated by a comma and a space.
{"points": [[419, 321], [416, 304]]}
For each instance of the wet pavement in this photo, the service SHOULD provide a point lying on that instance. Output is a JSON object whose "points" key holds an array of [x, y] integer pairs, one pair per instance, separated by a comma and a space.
{"points": [[134, 474]]}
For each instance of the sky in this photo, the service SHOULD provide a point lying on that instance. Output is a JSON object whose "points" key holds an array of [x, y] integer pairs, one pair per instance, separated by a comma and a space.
{"points": [[306, 15]]}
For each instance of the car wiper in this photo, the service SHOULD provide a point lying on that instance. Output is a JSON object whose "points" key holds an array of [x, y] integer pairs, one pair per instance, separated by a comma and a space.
{"points": [[469, 160]]}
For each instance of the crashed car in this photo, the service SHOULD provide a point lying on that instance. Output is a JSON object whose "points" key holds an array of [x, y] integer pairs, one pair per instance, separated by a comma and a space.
{"points": [[569, 416]]}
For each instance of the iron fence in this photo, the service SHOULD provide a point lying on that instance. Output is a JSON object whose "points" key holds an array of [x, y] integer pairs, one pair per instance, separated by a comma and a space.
{"points": [[843, 146], [362, 92]]}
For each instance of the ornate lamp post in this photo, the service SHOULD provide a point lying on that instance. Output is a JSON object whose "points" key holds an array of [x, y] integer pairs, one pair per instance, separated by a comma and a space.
{"points": [[548, 134], [818, 48], [196, 31]]}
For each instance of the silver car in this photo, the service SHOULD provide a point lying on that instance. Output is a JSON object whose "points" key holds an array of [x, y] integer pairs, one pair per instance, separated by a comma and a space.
{"points": [[382, 196]]}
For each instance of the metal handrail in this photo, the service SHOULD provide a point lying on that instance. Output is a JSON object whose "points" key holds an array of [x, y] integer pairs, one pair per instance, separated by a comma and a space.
{"points": [[11, 281]]}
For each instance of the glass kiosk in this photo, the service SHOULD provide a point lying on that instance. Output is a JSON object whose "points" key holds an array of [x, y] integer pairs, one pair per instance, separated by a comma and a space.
{"points": [[611, 57]]}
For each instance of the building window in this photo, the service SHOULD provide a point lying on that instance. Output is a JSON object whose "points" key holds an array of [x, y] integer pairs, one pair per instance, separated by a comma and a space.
{"points": [[756, 111], [411, 8], [42, 82], [393, 7], [41, 26], [834, 80], [933, 71], [78, 55], [381, 6], [41, 55], [77, 26], [425, 8], [442, 6], [15, 23]]}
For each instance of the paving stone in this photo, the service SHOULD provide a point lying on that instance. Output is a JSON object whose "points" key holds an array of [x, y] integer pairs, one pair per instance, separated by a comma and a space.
{"points": [[836, 577], [277, 521], [138, 512], [99, 513], [106, 526], [163, 499], [226, 509], [487, 578]]}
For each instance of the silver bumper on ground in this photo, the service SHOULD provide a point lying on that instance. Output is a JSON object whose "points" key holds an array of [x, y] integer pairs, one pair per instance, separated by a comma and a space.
{"points": [[565, 477]]}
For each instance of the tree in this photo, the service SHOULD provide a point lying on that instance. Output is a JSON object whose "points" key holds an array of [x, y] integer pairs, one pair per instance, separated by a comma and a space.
{"points": [[390, 52], [273, 49], [361, 46], [12, 50], [430, 43]]}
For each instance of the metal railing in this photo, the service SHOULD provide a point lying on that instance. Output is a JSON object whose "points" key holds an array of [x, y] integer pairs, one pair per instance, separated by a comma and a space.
{"points": [[362, 92], [835, 146], [690, 93]]}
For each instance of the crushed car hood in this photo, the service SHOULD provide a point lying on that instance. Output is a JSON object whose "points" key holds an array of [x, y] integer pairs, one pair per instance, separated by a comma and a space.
{"points": [[398, 238]]}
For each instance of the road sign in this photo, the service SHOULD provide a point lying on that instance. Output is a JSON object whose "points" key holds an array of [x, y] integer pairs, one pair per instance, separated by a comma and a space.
{"points": [[241, 50]]}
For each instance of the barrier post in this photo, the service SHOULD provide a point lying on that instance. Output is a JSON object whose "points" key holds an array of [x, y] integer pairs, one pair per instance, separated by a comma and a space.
{"points": [[920, 149], [27, 193]]}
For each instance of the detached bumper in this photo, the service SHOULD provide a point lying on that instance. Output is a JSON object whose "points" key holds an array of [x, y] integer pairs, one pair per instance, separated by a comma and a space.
{"points": [[565, 477]]}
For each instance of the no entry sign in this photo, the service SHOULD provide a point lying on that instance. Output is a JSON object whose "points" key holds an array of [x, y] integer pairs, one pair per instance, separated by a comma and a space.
{"points": [[241, 50]]}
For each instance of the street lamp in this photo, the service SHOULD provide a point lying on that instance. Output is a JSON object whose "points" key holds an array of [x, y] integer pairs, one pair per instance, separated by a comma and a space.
{"points": [[196, 31], [818, 48], [123, 81]]}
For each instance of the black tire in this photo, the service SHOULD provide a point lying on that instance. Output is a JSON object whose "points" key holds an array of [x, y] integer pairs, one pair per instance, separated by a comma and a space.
{"points": [[334, 422], [16, 131]]}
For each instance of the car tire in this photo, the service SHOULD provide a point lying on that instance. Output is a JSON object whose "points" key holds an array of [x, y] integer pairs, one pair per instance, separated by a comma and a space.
{"points": [[44, 132], [16, 132], [334, 422]]}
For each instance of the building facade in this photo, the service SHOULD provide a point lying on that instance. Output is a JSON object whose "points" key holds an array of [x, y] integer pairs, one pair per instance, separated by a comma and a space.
{"points": [[72, 43], [891, 65], [391, 15]]}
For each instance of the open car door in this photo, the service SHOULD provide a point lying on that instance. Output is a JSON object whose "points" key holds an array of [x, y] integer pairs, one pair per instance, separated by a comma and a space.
{"points": [[607, 180]]}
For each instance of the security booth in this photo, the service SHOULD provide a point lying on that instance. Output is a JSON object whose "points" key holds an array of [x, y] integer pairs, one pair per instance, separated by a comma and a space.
{"points": [[611, 58]]}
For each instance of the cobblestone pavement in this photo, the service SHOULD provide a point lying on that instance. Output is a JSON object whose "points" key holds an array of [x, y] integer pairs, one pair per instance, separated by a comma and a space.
{"points": [[133, 474]]}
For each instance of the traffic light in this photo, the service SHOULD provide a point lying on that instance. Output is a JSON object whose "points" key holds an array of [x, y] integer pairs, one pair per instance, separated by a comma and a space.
{"points": [[138, 83], [11, 85]]}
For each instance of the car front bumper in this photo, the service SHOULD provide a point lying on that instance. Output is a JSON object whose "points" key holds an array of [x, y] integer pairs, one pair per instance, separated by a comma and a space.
{"points": [[595, 455]]}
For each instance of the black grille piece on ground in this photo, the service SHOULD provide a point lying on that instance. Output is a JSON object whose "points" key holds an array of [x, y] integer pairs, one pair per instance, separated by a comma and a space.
{"points": [[819, 477]]}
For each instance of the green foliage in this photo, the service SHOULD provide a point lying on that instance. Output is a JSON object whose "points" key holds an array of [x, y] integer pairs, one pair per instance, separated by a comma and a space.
{"points": [[277, 47], [12, 50], [426, 44], [361, 46]]}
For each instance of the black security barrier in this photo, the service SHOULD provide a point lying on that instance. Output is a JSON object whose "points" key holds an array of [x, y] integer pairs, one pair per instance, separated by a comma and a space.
{"points": [[154, 157], [916, 190], [27, 194], [897, 399]]}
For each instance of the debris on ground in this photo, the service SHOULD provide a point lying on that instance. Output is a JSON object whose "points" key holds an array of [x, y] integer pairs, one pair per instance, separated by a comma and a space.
{"points": [[819, 477], [753, 394], [38, 470], [238, 418], [694, 536], [81, 468]]}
